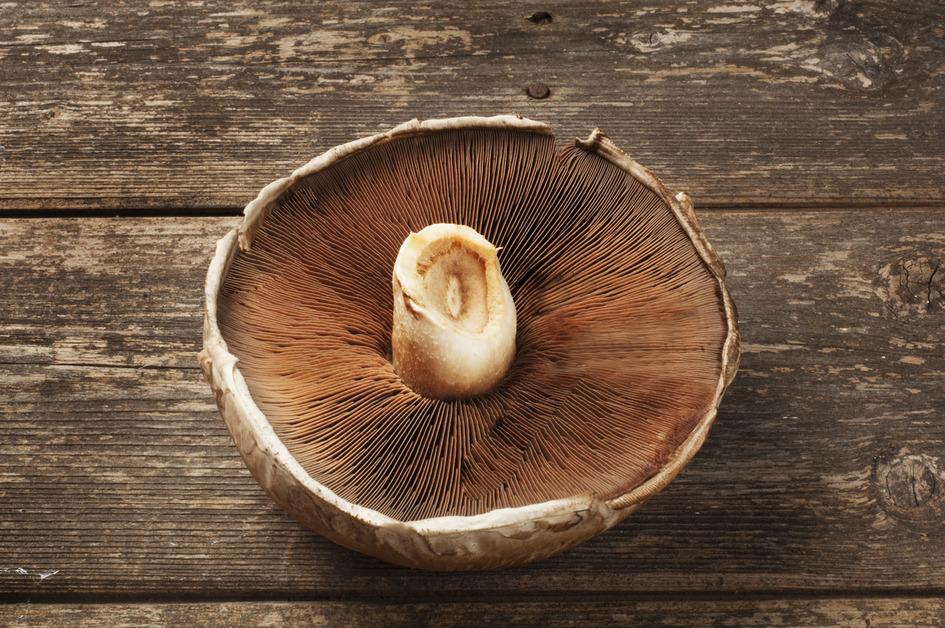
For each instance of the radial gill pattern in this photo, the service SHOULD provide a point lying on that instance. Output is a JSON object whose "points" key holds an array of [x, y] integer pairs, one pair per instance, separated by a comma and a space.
{"points": [[620, 326]]}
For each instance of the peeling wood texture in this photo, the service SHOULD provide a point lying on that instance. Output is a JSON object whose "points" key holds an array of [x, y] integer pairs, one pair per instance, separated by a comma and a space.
{"points": [[825, 471], [763, 613], [172, 105]]}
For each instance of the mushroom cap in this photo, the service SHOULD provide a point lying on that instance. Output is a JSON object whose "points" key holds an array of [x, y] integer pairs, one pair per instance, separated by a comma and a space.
{"points": [[627, 340]]}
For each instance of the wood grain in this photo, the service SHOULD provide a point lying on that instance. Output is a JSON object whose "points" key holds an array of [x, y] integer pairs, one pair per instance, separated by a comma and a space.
{"points": [[198, 105], [824, 472], [827, 612]]}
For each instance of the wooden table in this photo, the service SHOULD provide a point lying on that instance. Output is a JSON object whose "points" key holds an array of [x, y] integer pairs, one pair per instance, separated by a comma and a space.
{"points": [[811, 135]]}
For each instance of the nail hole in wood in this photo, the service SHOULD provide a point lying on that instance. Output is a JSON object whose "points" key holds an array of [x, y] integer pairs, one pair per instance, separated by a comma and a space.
{"points": [[540, 17], [538, 91]]}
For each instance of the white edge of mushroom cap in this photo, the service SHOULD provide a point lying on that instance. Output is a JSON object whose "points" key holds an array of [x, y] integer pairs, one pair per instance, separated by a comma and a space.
{"points": [[501, 537]]}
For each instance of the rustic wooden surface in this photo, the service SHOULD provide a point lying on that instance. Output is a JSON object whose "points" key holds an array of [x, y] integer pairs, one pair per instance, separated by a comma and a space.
{"points": [[160, 105], [661, 613], [814, 132]]}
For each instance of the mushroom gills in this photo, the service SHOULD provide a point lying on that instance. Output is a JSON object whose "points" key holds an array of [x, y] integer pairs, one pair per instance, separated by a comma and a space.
{"points": [[618, 343]]}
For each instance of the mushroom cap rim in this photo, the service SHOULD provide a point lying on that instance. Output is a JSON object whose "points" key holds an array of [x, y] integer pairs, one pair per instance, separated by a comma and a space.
{"points": [[221, 367]]}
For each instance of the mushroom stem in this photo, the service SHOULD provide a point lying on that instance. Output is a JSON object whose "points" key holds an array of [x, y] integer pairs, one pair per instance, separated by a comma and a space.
{"points": [[454, 318]]}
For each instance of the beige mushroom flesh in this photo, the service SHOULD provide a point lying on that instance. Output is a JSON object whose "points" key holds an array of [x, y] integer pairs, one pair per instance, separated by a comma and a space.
{"points": [[456, 346], [454, 317]]}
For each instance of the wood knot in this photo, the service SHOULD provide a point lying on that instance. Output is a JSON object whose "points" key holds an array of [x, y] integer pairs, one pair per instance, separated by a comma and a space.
{"points": [[909, 487], [913, 286], [874, 46]]}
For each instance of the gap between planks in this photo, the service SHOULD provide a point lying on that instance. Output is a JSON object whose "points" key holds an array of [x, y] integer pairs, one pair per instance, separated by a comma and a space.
{"points": [[496, 596]]}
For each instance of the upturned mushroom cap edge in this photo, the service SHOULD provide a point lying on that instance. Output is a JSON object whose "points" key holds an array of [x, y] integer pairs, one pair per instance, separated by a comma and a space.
{"points": [[498, 538]]}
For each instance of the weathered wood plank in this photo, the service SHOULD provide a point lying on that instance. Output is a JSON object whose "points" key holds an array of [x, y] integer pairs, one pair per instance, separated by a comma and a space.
{"points": [[825, 469], [198, 105], [55, 275], [828, 612]]}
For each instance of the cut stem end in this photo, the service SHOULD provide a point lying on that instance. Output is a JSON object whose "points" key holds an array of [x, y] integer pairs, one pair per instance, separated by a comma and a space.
{"points": [[454, 318]]}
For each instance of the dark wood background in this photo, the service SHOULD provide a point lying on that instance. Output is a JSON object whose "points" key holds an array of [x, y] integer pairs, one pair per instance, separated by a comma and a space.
{"points": [[811, 135]]}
